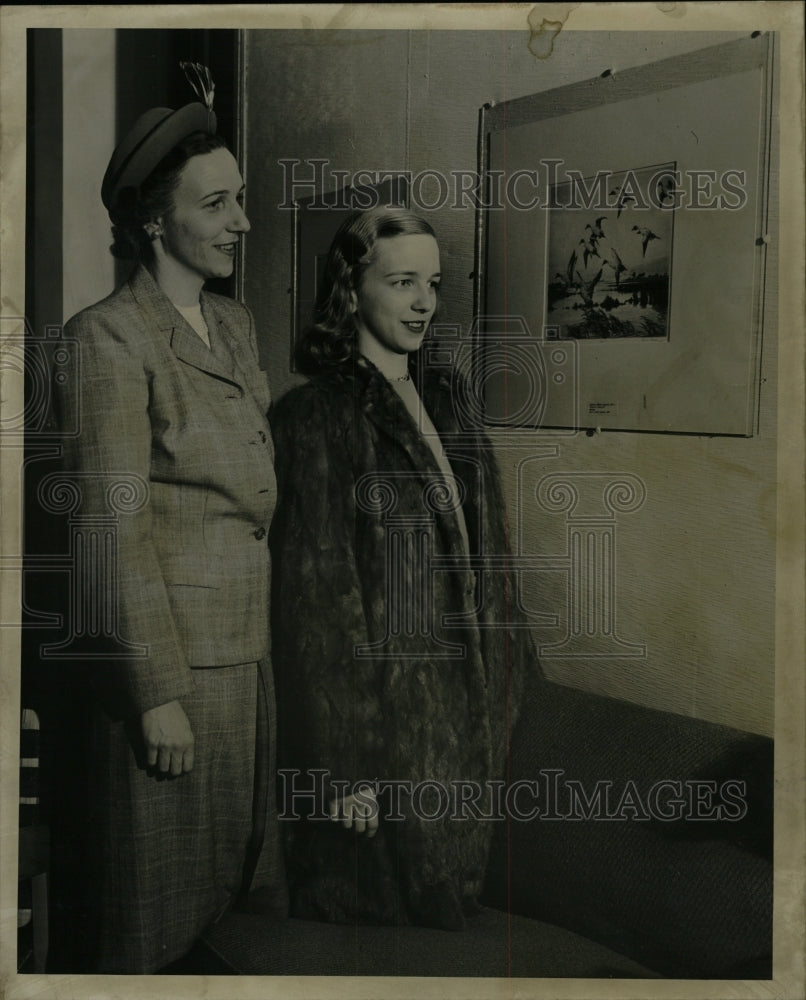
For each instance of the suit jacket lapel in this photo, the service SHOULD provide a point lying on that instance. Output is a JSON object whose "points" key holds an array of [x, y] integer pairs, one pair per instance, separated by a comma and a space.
{"points": [[185, 342], [188, 347], [245, 367], [241, 352]]}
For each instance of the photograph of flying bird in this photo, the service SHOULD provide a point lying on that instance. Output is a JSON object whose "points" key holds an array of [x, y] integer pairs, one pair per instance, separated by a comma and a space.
{"points": [[646, 235], [569, 271], [666, 191], [623, 200], [612, 259], [597, 233], [590, 249], [586, 288]]}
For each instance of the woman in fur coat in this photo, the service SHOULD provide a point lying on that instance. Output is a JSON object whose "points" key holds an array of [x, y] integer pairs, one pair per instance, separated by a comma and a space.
{"points": [[396, 642]]}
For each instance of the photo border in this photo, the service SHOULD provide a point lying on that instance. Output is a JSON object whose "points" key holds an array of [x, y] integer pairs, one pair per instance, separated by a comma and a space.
{"points": [[544, 22]]}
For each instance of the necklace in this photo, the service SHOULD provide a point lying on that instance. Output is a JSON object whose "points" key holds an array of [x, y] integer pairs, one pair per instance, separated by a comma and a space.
{"points": [[401, 378]]}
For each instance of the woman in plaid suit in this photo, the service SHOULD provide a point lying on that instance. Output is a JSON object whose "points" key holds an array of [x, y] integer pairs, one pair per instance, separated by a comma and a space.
{"points": [[171, 405]]}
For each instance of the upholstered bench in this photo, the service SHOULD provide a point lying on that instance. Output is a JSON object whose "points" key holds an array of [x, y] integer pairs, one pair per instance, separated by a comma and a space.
{"points": [[671, 876]]}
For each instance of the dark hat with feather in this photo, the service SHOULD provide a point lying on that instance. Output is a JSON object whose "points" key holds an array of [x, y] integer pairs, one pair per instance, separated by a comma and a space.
{"points": [[154, 135]]}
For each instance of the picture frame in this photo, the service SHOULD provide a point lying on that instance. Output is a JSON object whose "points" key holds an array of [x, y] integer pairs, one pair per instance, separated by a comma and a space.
{"points": [[624, 224]]}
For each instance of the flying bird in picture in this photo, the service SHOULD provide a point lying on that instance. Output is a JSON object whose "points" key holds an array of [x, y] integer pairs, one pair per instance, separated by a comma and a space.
{"points": [[596, 231], [613, 260], [666, 191], [624, 200], [646, 235], [590, 250]]}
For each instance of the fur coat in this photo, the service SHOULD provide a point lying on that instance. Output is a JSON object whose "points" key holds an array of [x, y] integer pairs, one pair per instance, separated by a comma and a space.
{"points": [[396, 657]]}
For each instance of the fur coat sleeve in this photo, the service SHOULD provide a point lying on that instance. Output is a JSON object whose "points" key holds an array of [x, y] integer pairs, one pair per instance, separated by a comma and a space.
{"points": [[317, 595]]}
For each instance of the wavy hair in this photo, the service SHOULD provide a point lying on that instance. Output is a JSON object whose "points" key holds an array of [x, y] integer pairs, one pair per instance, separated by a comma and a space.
{"points": [[154, 197], [331, 339]]}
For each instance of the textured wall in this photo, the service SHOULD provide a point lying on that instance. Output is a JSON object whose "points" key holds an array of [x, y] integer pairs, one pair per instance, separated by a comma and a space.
{"points": [[89, 128], [311, 95], [695, 572]]}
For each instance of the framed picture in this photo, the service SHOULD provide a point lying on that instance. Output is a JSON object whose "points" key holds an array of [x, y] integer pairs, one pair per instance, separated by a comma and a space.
{"points": [[625, 216]]}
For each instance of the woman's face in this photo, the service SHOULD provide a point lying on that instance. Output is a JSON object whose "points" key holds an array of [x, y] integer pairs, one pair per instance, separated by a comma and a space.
{"points": [[397, 295], [200, 235]]}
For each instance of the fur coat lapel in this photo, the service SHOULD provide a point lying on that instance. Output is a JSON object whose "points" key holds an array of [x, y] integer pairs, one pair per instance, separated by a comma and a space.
{"points": [[390, 419]]}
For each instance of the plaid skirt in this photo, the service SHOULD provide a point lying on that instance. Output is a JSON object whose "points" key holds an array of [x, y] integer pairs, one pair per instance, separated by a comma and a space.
{"points": [[169, 855]]}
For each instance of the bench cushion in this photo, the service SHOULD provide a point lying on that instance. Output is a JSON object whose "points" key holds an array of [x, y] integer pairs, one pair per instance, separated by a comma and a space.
{"points": [[492, 945]]}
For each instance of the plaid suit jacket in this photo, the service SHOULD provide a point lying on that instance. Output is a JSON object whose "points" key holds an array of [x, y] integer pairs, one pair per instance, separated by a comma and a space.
{"points": [[150, 399]]}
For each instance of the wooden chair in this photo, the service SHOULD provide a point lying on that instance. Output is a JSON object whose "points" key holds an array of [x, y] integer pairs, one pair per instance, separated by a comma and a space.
{"points": [[34, 849]]}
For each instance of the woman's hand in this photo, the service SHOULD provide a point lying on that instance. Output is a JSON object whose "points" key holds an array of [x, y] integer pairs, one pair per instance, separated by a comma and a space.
{"points": [[168, 738], [357, 812]]}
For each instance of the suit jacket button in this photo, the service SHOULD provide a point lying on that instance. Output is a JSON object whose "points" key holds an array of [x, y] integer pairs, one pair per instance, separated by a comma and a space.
{"points": [[259, 533]]}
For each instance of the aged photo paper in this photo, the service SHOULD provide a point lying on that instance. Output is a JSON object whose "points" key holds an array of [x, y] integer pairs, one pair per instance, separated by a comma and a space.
{"points": [[617, 190]]}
